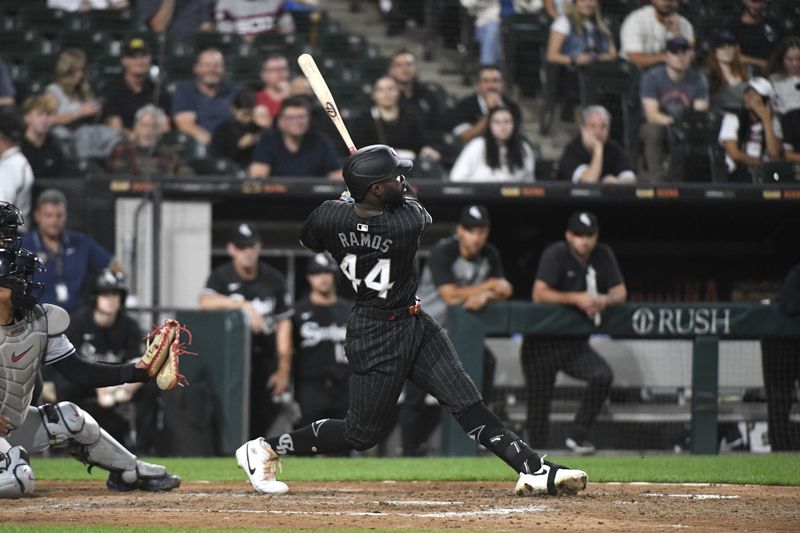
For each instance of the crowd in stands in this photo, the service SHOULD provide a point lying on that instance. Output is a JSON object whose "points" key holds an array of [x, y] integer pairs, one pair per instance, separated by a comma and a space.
{"points": [[165, 86]]}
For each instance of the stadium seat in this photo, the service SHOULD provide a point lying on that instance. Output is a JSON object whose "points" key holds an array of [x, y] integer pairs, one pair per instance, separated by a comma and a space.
{"points": [[116, 20], [186, 146], [448, 145], [50, 21], [277, 43], [696, 132], [227, 43], [524, 40], [776, 172], [210, 166], [429, 170], [41, 67], [19, 44], [94, 43]]}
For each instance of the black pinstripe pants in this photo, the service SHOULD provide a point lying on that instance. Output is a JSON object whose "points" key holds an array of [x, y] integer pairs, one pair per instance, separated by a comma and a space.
{"points": [[383, 354]]}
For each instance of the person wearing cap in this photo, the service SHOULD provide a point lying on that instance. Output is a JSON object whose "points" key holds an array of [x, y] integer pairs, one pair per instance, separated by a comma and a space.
{"points": [[644, 32], [202, 104], [102, 331], [259, 290], [133, 89], [666, 91], [592, 157], [463, 269], [726, 73], [319, 327], [582, 273], [752, 136], [16, 175], [757, 33]]}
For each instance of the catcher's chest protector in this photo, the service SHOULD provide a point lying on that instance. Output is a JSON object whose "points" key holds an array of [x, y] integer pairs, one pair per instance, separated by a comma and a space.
{"points": [[21, 347]]}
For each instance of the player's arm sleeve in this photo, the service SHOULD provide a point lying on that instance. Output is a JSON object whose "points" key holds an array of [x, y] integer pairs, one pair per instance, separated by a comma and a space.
{"points": [[548, 268], [99, 257], [181, 101], [440, 262], [614, 275], [309, 235], [92, 374]]}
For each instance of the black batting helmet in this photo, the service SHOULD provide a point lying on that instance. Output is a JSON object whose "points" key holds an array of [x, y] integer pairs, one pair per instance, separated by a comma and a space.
{"points": [[10, 222], [109, 281], [370, 165]]}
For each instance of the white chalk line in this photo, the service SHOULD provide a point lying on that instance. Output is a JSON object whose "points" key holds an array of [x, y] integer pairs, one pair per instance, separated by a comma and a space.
{"points": [[693, 496]]}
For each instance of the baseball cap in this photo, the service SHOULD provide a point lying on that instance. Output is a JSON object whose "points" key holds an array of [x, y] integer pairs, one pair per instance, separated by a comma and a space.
{"points": [[582, 223], [721, 38], [244, 235], [762, 86], [321, 263], [135, 46], [474, 215], [678, 44]]}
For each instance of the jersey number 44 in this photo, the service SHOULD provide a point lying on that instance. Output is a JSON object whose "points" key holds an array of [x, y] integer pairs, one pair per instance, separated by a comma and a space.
{"points": [[376, 279]]}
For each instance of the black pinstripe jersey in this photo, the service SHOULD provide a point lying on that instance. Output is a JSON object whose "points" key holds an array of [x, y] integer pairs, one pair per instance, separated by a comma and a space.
{"points": [[376, 254]]}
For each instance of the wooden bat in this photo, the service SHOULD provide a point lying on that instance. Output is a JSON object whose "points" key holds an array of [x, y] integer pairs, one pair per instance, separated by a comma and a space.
{"points": [[320, 88]]}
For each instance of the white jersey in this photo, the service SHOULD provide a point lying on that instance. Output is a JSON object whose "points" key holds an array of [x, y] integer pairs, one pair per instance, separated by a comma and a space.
{"points": [[25, 346]]}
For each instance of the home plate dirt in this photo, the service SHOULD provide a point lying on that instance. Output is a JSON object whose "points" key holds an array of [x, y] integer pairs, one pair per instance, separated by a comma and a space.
{"points": [[472, 506]]}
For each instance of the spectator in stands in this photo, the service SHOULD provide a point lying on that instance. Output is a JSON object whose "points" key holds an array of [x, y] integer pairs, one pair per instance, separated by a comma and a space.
{"points": [[403, 69], [16, 176], [71, 93], [784, 72], [754, 135], [275, 75], [126, 94], [757, 34], [141, 154], [202, 104], [500, 154], [666, 92], [293, 148], [77, 108], [7, 91], [727, 75], [248, 18], [578, 38], [86, 5], [781, 368], [582, 273], [645, 32], [487, 28], [320, 121], [592, 157], [387, 122], [70, 258], [178, 18], [471, 113], [39, 146], [258, 289], [236, 138]]}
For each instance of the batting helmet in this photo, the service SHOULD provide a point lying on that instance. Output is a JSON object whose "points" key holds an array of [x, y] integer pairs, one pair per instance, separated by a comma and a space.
{"points": [[10, 222], [370, 165], [109, 281]]}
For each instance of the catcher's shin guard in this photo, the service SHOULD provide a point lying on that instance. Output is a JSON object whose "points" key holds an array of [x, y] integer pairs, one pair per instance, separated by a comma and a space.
{"points": [[16, 475]]}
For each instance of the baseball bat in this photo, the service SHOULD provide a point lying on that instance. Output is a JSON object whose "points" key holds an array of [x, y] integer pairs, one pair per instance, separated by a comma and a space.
{"points": [[323, 93]]}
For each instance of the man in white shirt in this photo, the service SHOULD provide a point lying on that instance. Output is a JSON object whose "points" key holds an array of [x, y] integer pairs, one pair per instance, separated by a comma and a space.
{"points": [[645, 32], [16, 175]]}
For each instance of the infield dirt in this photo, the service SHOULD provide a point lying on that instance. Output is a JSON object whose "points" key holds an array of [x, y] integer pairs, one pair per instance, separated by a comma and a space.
{"points": [[472, 506]]}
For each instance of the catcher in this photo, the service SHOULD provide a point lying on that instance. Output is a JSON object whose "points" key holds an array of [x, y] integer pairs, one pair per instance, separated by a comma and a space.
{"points": [[31, 335]]}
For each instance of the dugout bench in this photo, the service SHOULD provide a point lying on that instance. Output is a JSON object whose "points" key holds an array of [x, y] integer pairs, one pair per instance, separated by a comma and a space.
{"points": [[702, 324]]}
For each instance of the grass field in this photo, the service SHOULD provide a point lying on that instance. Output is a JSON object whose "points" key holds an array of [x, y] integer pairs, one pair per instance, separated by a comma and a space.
{"points": [[772, 469]]}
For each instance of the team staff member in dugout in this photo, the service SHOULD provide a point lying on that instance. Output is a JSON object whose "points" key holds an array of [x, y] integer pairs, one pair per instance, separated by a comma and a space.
{"points": [[389, 338], [583, 273], [249, 284], [319, 326]]}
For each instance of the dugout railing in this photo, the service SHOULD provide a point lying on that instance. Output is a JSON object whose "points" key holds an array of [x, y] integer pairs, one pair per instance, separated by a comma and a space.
{"points": [[703, 324]]}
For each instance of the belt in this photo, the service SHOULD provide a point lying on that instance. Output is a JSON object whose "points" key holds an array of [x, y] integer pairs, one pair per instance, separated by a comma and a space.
{"points": [[392, 314]]}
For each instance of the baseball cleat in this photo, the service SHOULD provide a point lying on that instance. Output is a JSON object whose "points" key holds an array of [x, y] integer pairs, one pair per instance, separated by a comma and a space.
{"points": [[260, 462], [551, 479], [580, 446], [157, 482]]}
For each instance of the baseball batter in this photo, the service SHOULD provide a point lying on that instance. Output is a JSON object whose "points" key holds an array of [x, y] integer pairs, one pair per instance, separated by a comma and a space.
{"points": [[32, 335], [374, 239]]}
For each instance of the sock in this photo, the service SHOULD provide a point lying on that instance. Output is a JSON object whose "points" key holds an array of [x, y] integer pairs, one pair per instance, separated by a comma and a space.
{"points": [[322, 436], [482, 426]]}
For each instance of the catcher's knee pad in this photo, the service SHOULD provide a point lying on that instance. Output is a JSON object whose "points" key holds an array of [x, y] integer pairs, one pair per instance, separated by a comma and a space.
{"points": [[67, 424], [16, 475]]}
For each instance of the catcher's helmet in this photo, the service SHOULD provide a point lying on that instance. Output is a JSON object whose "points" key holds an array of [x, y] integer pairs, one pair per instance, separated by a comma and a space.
{"points": [[109, 281], [370, 165], [17, 268], [10, 222]]}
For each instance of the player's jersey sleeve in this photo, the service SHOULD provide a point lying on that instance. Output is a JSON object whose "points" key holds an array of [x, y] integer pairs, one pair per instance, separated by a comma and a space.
{"points": [[215, 282], [549, 268], [441, 263], [310, 236], [613, 273], [58, 348]]}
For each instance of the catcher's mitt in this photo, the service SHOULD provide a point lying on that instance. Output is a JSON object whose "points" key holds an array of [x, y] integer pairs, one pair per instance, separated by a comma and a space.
{"points": [[164, 347]]}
